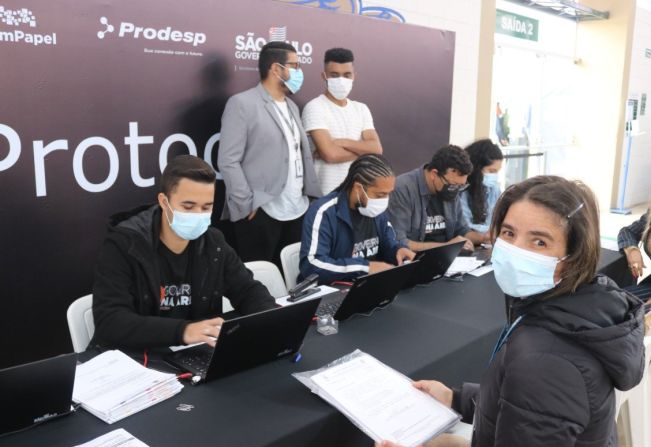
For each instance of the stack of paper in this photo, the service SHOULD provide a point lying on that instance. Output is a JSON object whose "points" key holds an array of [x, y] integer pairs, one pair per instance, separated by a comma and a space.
{"points": [[116, 438], [113, 386], [463, 264], [382, 402]]}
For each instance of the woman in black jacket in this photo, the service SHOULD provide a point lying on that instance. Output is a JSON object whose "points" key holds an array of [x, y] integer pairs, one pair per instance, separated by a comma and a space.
{"points": [[571, 336]]}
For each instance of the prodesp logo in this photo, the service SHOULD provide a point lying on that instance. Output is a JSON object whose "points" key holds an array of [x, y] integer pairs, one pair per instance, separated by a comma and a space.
{"points": [[166, 34], [249, 45]]}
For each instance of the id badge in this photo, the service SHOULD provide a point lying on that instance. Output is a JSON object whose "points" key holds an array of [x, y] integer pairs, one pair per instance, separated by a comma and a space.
{"points": [[299, 168]]}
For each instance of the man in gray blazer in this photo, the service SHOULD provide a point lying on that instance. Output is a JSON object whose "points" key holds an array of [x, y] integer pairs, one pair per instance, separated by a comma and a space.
{"points": [[265, 159]]}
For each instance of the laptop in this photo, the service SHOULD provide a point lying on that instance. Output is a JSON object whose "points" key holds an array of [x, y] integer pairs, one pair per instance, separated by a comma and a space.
{"points": [[367, 293], [36, 392], [433, 263], [249, 341]]}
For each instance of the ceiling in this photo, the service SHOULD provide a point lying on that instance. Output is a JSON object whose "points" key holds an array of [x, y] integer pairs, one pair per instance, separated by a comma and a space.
{"points": [[564, 8]]}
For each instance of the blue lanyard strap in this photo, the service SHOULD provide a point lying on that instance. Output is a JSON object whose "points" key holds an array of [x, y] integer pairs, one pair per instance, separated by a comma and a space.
{"points": [[504, 336]]}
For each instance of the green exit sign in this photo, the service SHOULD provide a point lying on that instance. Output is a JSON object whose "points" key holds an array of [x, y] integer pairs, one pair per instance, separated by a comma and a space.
{"points": [[516, 25]]}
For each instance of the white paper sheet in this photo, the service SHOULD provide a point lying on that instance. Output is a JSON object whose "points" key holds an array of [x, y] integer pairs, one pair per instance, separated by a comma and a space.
{"points": [[116, 438], [383, 402], [481, 271], [463, 264]]}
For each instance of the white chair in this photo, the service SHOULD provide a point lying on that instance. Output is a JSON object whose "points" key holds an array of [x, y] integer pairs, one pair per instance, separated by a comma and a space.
{"points": [[226, 305], [269, 275], [634, 408], [80, 322], [289, 257]]}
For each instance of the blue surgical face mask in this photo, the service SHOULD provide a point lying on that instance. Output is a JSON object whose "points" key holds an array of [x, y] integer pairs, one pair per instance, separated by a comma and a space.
{"points": [[491, 179], [295, 80], [188, 226], [521, 273]]}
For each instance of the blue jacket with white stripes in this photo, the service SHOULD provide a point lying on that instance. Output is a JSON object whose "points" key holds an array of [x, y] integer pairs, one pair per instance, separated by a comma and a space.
{"points": [[327, 241]]}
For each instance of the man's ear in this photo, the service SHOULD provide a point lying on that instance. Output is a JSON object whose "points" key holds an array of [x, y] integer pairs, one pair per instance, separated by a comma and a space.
{"points": [[162, 200], [324, 76]]}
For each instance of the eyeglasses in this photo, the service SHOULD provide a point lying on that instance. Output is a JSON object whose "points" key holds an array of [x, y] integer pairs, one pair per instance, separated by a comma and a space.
{"points": [[295, 65], [454, 186]]}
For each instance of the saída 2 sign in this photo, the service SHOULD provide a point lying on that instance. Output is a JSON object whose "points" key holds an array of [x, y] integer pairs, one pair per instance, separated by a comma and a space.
{"points": [[516, 25]]}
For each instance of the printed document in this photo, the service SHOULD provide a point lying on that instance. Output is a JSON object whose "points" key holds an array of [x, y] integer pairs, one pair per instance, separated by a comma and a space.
{"points": [[113, 386], [381, 401]]}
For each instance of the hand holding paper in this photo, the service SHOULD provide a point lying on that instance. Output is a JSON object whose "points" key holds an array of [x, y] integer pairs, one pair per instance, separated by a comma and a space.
{"points": [[379, 400]]}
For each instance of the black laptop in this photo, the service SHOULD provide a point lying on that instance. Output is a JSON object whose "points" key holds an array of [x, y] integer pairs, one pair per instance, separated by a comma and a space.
{"points": [[433, 263], [249, 341], [35, 392], [368, 292]]}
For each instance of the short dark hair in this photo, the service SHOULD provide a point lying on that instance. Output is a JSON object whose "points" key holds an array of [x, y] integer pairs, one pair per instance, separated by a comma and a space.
{"points": [[338, 55], [185, 166], [575, 205], [272, 53], [450, 157], [365, 170], [482, 153]]}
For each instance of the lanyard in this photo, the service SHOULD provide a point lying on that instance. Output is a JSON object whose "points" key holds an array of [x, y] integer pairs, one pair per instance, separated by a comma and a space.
{"points": [[504, 336], [289, 121]]}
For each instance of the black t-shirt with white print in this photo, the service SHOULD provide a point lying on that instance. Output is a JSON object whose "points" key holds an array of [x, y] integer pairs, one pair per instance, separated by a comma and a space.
{"points": [[175, 289], [435, 221], [366, 242]]}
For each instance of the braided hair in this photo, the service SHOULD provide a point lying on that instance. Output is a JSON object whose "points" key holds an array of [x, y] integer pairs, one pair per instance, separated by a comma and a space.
{"points": [[365, 170], [482, 153]]}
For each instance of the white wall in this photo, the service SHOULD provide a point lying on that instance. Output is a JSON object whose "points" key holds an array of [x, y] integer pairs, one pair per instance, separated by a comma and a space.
{"points": [[639, 183], [462, 17]]}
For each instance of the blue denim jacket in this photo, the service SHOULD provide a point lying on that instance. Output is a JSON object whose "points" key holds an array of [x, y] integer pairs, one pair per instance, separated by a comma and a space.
{"points": [[492, 194]]}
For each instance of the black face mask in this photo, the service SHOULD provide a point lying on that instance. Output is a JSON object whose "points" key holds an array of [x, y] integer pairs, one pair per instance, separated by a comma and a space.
{"points": [[448, 194]]}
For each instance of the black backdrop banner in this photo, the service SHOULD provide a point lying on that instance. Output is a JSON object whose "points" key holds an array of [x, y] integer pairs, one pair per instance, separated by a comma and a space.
{"points": [[97, 96]]}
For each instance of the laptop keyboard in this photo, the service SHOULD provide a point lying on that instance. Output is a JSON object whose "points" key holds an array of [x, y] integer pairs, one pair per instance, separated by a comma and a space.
{"points": [[330, 303], [196, 359]]}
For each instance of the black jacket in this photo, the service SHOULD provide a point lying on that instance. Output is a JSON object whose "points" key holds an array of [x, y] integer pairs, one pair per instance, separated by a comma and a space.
{"points": [[127, 283], [552, 383]]}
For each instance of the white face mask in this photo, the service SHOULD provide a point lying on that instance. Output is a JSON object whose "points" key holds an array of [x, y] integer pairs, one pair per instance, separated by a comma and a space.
{"points": [[374, 207], [339, 87]]}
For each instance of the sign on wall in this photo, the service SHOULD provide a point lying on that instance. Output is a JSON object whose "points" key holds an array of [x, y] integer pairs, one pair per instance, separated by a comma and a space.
{"points": [[516, 25], [98, 95]]}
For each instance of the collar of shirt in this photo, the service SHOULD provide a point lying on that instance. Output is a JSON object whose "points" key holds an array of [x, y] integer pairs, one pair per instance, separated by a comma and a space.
{"points": [[422, 185]]}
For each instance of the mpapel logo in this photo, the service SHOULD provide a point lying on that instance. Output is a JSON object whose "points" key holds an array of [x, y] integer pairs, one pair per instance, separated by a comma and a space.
{"points": [[166, 34], [17, 17], [25, 18], [248, 46]]}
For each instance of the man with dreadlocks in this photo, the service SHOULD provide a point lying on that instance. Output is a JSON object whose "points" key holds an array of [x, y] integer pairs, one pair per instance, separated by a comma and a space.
{"points": [[347, 233]]}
